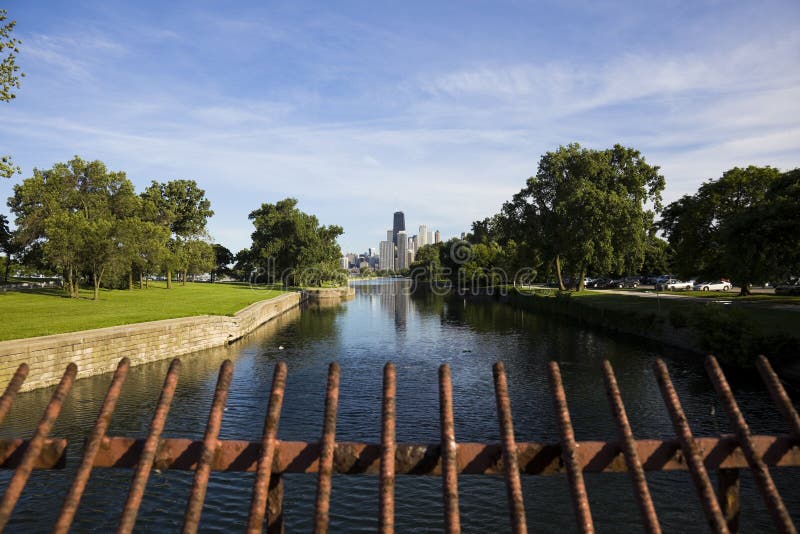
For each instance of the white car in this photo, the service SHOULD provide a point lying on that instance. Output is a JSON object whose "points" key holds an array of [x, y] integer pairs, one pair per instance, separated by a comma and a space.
{"points": [[673, 285], [712, 286]]}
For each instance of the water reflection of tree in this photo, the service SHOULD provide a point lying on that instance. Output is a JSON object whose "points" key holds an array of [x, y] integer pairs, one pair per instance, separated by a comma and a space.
{"points": [[428, 303]]}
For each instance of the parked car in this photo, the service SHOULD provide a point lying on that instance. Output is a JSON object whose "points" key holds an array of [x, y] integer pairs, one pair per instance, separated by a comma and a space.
{"points": [[790, 287], [673, 285], [630, 281], [719, 285]]}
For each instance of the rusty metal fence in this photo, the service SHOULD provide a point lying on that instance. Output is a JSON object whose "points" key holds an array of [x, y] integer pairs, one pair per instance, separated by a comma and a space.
{"points": [[270, 457]]}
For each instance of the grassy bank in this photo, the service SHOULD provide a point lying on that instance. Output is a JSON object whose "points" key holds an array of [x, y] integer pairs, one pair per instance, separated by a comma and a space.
{"points": [[42, 312], [736, 331]]}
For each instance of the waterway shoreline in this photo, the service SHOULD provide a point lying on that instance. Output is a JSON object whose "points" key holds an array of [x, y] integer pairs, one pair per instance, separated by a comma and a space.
{"points": [[98, 350]]}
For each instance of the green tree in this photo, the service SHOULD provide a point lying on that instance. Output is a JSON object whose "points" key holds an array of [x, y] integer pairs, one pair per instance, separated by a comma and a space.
{"points": [[222, 259], [427, 265], [9, 77], [291, 246], [590, 206], [708, 230], [75, 211], [181, 206], [8, 245], [761, 242]]}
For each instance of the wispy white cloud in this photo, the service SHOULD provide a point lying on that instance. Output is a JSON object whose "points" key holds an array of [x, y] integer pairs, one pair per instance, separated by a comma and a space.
{"points": [[359, 119]]}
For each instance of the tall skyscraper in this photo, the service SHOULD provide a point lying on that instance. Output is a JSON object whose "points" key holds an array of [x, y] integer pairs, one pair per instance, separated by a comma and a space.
{"points": [[430, 237], [390, 236], [423, 235], [402, 249], [438, 238], [387, 256], [399, 225]]}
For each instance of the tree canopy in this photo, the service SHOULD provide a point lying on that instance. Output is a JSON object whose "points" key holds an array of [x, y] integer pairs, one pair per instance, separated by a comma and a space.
{"points": [[738, 226], [291, 246], [588, 209], [9, 77], [88, 221]]}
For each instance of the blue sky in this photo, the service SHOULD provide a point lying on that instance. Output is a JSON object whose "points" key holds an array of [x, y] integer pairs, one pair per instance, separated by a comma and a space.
{"points": [[359, 109]]}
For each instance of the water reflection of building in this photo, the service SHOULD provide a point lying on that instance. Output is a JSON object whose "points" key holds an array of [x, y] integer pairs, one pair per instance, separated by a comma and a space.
{"points": [[395, 300]]}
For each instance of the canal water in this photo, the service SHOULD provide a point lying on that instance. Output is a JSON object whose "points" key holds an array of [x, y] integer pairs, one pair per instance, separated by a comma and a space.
{"points": [[417, 333]]}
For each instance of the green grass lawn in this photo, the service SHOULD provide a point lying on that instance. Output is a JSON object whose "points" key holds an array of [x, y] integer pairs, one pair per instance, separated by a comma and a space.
{"points": [[41, 312]]}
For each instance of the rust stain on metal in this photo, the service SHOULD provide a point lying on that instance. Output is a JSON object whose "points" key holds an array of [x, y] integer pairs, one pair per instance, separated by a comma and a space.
{"points": [[73, 499], [510, 457], [271, 458], [12, 389], [149, 450], [569, 452], [690, 450], [258, 505], [388, 451], [779, 396], [760, 472], [327, 447], [194, 507], [35, 446], [449, 452], [629, 449], [51, 456]]}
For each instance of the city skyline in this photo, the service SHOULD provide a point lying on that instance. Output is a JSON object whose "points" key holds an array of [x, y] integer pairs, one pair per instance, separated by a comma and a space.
{"points": [[388, 246]]}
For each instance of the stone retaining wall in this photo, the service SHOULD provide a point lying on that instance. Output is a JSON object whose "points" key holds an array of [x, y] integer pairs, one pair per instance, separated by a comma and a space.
{"points": [[98, 351]]}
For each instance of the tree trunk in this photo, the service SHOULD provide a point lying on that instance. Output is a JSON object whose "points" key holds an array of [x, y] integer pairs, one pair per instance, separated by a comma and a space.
{"points": [[745, 290], [169, 278], [558, 274], [72, 284], [130, 279], [140, 279], [581, 279], [96, 281], [183, 279], [8, 267]]}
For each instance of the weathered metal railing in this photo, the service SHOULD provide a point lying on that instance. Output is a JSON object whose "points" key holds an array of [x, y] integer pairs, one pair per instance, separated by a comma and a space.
{"points": [[270, 457]]}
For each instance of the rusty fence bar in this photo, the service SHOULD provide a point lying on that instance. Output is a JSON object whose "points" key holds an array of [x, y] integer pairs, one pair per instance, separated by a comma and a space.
{"points": [[270, 457], [73, 499], [388, 450], [569, 452], [261, 486], [145, 463], [13, 388], [23, 471], [449, 449], [326, 449], [194, 507], [541, 459], [693, 459], [510, 455], [761, 474], [779, 396], [629, 449]]}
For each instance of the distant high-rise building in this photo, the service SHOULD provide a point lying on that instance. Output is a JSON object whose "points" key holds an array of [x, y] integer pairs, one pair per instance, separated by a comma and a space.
{"points": [[387, 256], [402, 249], [430, 237], [414, 244], [423, 235], [438, 238], [390, 236], [345, 262], [399, 225]]}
